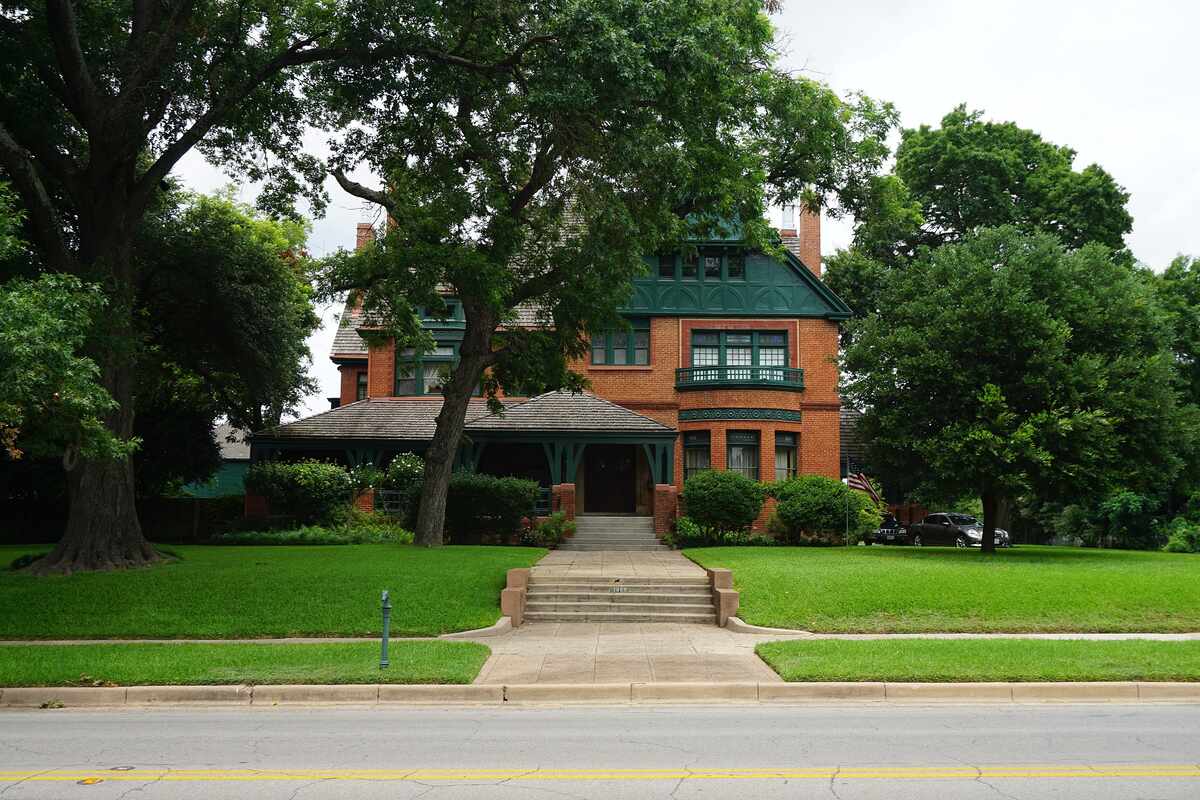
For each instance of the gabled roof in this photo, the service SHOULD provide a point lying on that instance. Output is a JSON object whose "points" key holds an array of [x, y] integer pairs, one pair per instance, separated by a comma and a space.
{"points": [[567, 412], [374, 418], [347, 344]]}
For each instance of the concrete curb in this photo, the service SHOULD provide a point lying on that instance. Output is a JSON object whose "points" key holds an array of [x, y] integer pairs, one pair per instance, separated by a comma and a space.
{"points": [[739, 625], [502, 626], [599, 693]]}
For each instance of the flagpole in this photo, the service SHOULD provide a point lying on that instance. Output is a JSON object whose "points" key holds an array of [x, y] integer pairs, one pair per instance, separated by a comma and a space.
{"points": [[847, 499]]}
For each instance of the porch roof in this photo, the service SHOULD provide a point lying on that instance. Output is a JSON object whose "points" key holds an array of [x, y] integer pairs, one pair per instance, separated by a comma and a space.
{"points": [[372, 419], [564, 412]]}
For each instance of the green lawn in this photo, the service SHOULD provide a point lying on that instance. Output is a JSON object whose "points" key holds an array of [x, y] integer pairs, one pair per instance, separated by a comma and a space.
{"points": [[185, 663], [900, 589], [231, 592], [936, 660]]}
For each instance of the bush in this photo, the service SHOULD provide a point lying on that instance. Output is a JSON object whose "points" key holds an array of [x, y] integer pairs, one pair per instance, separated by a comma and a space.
{"points": [[406, 471], [688, 533], [366, 476], [312, 491], [722, 500], [315, 534], [484, 506], [550, 532], [812, 510], [1183, 536]]}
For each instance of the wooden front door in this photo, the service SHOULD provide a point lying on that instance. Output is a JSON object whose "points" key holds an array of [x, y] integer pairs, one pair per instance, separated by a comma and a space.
{"points": [[610, 477]]}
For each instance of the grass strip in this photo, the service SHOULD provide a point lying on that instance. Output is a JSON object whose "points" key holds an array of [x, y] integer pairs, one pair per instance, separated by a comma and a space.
{"points": [[208, 664], [936, 589], [944, 660], [216, 592]]}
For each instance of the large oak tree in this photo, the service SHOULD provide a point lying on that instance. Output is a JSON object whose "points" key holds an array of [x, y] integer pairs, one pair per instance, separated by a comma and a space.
{"points": [[100, 100]]}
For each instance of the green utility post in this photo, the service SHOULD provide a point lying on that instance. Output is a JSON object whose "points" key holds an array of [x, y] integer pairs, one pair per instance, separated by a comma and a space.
{"points": [[386, 606]]}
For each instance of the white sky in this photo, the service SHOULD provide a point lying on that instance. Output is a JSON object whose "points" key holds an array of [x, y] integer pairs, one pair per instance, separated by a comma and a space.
{"points": [[1113, 79]]}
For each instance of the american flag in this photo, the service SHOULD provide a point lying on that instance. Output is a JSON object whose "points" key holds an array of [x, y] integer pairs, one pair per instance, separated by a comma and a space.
{"points": [[859, 481]]}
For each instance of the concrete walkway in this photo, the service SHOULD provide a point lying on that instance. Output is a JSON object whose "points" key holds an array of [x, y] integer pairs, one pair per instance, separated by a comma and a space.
{"points": [[624, 652], [616, 564]]}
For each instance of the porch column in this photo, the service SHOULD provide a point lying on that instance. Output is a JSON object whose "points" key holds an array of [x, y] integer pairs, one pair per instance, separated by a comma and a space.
{"points": [[666, 504], [562, 498]]}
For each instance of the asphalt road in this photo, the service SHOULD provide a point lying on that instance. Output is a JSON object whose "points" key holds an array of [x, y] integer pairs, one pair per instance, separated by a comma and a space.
{"points": [[886, 753]]}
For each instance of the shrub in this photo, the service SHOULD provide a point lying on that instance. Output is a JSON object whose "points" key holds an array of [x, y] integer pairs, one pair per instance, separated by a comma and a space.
{"points": [[366, 476], [406, 471], [812, 510], [1183, 536], [317, 535], [723, 501], [312, 491], [479, 506], [688, 533], [550, 532]]}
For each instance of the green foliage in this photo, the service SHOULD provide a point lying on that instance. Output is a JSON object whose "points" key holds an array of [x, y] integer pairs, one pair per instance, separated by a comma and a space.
{"points": [[484, 506], [815, 510], [312, 491], [1007, 363], [687, 533], [357, 533], [405, 472], [720, 500], [51, 397], [366, 476], [549, 532], [1182, 535], [971, 174]]}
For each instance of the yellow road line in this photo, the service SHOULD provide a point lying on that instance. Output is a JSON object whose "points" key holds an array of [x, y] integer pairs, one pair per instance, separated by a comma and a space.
{"points": [[1039, 771]]}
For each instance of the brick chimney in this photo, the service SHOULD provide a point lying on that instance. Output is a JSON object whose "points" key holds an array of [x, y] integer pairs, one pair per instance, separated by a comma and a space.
{"points": [[805, 241], [365, 235]]}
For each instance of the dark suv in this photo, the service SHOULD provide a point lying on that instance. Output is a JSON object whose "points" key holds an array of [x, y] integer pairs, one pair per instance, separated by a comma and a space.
{"points": [[958, 530], [890, 531]]}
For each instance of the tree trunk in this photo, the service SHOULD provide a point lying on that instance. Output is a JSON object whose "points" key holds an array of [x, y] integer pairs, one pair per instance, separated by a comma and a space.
{"points": [[439, 458], [103, 532], [991, 506]]}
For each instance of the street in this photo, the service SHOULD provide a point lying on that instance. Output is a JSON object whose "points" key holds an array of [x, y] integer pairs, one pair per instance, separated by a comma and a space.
{"points": [[1084, 752]]}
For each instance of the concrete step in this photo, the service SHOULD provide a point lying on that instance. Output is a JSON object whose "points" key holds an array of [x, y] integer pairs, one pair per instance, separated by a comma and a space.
{"points": [[620, 598], [598, 584], [709, 618], [594, 539], [624, 608], [633, 548]]}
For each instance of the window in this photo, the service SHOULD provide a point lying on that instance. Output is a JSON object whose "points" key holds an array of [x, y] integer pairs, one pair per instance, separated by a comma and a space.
{"points": [[623, 348], [735, 266], [696, 453], [666, 266], [742, 453], [424, 373], [741, 349], [360, 386], [690, 264], [785, 456], [712, 264]]}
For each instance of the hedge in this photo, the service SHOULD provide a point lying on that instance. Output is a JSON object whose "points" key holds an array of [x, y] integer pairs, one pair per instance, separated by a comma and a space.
{"points": [[723, 501], [311, 491]]}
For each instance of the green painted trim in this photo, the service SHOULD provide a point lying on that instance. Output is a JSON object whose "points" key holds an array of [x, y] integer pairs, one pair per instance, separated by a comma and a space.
{"points": [[718, 414], [756, 377]]}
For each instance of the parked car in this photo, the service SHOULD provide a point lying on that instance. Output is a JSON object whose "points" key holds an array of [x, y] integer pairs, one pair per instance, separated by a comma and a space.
{"points": [[957, 530], [890, 531]]}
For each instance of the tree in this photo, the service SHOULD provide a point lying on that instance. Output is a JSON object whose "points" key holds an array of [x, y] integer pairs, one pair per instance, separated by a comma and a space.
{"points": [[628, 127], [1007, 362], [98, 103], [225, 307], [969, 174]]}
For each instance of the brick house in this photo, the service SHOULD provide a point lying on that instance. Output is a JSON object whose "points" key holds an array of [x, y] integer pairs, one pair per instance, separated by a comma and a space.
{"points": [[729, 363]]}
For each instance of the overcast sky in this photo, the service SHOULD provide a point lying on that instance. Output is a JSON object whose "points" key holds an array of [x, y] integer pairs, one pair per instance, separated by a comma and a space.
{"points": [[1114, 80]]}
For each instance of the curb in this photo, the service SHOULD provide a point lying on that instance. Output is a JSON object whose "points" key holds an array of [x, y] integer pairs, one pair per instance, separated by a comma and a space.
{"points": [[599, 693], [739, 625], [499, 628]]}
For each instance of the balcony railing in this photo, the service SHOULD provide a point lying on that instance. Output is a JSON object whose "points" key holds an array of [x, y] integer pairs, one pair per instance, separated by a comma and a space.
{"points": [[762, 377]]}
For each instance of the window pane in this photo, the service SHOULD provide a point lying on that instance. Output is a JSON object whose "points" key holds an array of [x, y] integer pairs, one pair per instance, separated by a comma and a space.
{"points": [[405, 380], [743, 458], [712, 267], [706, 356], [433, 380], [689, 266], [706, 338], [736, 266], [695, 459], [772, 339], [641, 344], [599, 351], [666, 266], [442, 351], [785, 462], [619, 352], [360, 388], [738, 339]]}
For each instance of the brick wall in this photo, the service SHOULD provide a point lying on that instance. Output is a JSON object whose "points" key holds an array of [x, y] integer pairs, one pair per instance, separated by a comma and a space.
{"points": [[381, 365], [349, 382]]}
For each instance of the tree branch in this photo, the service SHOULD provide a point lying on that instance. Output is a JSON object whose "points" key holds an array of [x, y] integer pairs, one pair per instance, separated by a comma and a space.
{"points": [[85, 99], [363, 192], [47, 228]]}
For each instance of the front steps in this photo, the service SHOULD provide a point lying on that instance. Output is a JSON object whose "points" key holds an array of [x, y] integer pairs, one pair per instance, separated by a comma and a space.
{"points": [[566, 599], [624, 533]]}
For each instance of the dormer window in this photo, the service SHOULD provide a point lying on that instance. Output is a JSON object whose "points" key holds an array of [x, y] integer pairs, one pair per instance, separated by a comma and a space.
{"points": [[424, 373], [623, 348]]}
